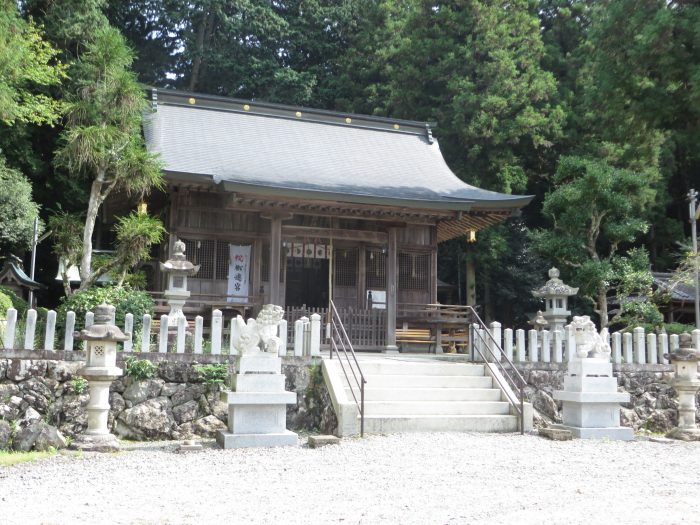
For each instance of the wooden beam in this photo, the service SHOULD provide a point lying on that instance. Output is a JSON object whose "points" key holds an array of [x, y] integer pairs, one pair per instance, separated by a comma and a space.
{"points": [[216, 233], [337, 234]]}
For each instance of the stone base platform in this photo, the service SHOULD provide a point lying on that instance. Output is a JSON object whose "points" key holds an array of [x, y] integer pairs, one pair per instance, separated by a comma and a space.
{"points": [[279, 439], [96, 443], [555, 434], [684, 434], [612, 433]]}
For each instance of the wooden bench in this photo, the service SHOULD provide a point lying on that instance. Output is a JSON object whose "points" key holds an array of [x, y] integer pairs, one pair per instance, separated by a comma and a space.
{"points": [[415, 336]]}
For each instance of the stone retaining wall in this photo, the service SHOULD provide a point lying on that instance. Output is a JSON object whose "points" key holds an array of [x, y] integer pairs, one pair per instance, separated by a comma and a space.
{"points": [[652, 406], [38, 396]]}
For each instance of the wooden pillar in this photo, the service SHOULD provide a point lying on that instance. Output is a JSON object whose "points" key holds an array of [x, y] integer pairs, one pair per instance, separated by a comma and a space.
{"points": [[433, 264], [275, 253], [391, 291], [471, 282], [361, 277], [257, 269]]}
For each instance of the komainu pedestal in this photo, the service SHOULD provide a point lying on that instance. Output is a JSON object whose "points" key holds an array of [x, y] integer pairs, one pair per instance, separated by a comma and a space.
{"points": [[591, 402], [257, 407]]}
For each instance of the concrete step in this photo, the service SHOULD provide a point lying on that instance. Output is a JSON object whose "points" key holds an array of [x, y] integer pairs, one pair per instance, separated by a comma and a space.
{"points": [[436, 408], [429, 394], [470, 423], [420, 368], [426, 381]]}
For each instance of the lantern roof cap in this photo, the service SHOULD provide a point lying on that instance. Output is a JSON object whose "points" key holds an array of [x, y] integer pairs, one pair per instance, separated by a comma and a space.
{"points": [[178, 263], [555, 287], [685, 352], [539, 321], [102, 329]]}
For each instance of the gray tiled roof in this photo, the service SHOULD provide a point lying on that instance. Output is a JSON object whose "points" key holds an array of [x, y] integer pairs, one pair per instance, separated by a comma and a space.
{"points": [[680, 291], [317, 154]]}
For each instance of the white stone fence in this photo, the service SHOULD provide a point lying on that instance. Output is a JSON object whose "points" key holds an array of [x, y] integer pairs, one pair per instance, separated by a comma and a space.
{"points": [[177, 339], [555, 347]]}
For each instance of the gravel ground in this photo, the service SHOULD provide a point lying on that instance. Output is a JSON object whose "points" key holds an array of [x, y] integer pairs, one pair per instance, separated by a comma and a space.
{"points": [[408, 478]]}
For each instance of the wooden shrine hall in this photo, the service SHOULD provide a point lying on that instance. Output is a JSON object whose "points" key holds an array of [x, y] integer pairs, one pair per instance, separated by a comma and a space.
{"points": [[297, 207]]}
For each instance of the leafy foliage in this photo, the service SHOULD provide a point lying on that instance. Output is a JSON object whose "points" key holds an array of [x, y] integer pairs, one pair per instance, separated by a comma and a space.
{"points": [[594, 209], [474, 68], [66, 234], [215, 373], [633, 286], [136, 233], [79, 384], [18, 303], [102, 140], [17, 210], [124, 299], [140, 369], [5, 304], [27, 64]]}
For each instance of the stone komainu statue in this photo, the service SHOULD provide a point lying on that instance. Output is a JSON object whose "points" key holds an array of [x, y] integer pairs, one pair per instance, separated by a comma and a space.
{"points": [[590, 343], [263, 329]]}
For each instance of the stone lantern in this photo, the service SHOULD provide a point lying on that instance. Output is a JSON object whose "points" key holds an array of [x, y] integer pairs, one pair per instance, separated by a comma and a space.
{"points": [[100, 370], [177, 268], [556, 295], [686, 382], [539, 323]]}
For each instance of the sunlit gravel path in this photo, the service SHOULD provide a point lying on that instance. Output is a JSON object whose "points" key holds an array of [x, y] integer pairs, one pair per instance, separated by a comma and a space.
{"points": [[409, 478]]}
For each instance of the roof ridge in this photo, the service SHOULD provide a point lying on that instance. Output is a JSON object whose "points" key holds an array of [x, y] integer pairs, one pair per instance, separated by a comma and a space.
{"points": [[262, 108]]}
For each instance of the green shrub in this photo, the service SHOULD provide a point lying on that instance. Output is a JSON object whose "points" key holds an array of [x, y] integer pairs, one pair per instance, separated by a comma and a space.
{"points": [[124, 299], [79, 384], [140, 368], [669, 328], [214, 373], [5, 304], [18, 303]]}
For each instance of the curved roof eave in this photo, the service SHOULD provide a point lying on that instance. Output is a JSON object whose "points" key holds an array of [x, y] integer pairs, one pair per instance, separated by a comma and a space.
{"points": [[446, 203]]}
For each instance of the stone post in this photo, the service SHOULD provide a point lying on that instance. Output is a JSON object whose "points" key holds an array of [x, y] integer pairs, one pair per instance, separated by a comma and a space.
{"points": [[315, 334], [495, 341], [100, 371], [685, 381]]}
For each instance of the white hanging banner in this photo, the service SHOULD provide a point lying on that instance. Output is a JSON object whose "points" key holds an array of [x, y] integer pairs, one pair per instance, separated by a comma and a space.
{"points": [[238, 273]]}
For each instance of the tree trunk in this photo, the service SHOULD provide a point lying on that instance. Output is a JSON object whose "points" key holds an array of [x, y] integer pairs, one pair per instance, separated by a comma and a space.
{"points": [[603, 307], [66, 280], [93, 208], [202, 35]]}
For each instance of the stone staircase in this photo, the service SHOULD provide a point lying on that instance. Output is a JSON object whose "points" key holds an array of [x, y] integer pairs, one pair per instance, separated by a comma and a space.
{"points": [[412, 395]]}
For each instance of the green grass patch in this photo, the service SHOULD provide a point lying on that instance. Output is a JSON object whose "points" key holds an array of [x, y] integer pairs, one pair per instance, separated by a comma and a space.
{"points": [[9, 457]]}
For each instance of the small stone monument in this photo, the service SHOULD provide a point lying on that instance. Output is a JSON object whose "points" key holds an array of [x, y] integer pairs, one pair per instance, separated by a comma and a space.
{"points": [[100, 370], [257, 411], [591, 402], [177, 268], [686, 382], [556, 295]]}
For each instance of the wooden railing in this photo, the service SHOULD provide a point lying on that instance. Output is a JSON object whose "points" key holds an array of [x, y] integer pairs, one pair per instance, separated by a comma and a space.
{"points": [[366, 328]]}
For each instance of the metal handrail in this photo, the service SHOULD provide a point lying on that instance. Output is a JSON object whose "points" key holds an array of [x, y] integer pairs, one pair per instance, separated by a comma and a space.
{"points": [[339, 335], [516, 380]]}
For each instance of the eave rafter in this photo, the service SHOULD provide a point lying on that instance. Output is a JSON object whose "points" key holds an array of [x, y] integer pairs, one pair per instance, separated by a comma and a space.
{"points": [[450, 224]]}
